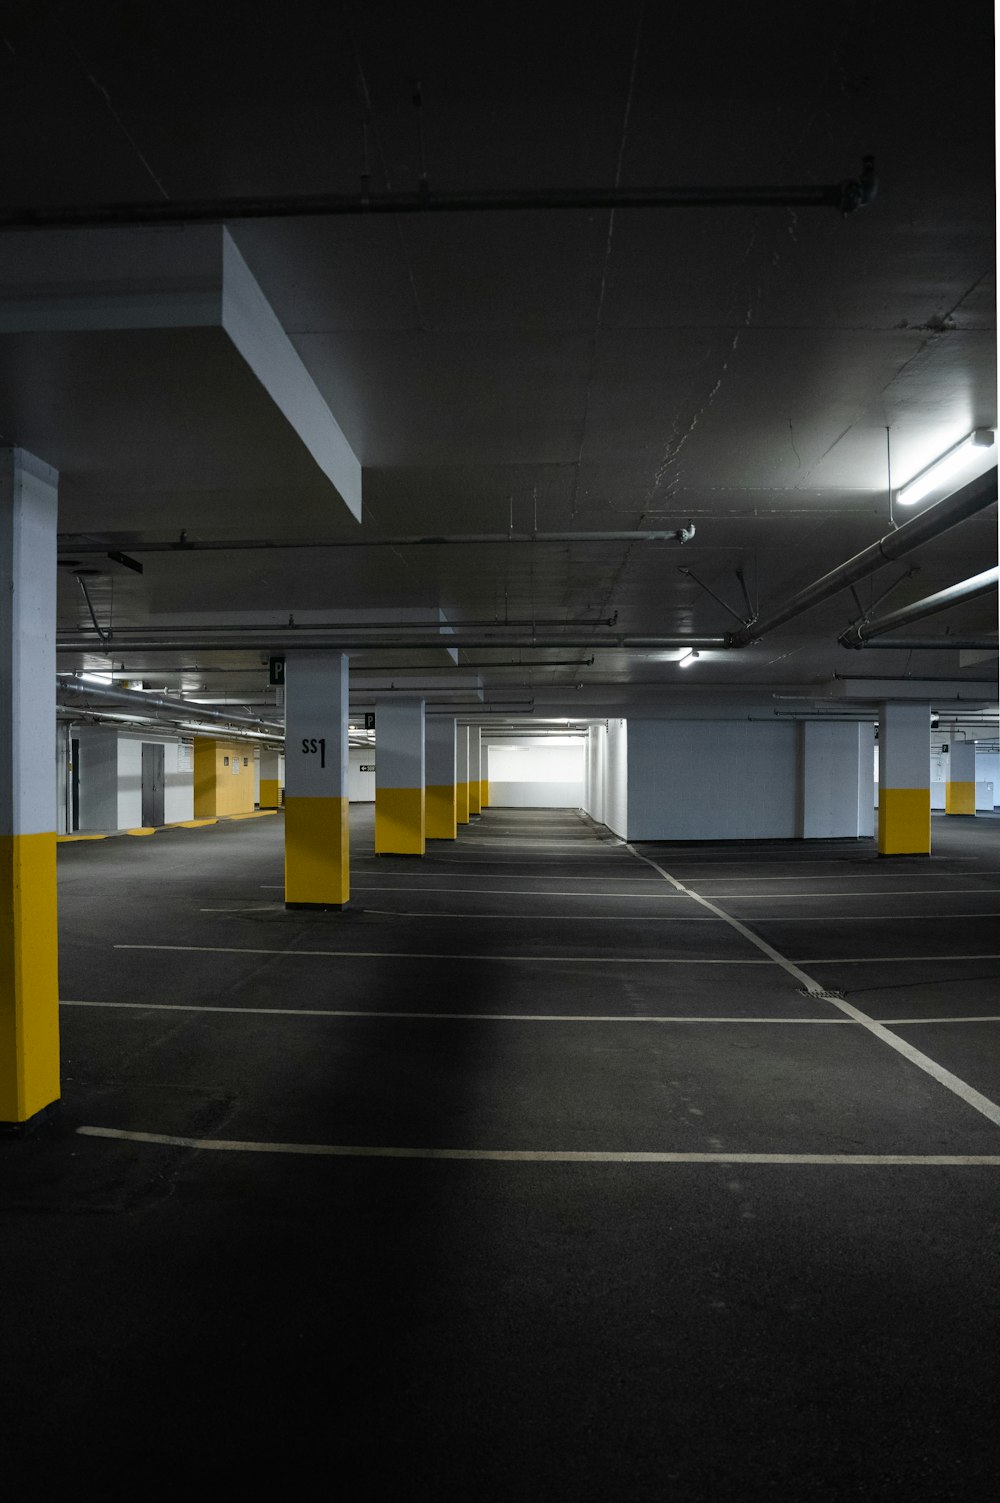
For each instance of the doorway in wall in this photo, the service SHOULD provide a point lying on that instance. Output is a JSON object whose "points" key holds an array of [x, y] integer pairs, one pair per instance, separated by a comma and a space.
{"points": [[74, 786], [152, 784]]}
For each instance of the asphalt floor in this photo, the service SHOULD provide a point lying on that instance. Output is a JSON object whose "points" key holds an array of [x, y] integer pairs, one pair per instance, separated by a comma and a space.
{"points": [[551, 1169]]}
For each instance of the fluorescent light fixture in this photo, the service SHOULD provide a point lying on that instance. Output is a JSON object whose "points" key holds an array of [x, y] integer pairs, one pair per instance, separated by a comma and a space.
{"points": [[97, 678], [687, 658], [945, 467]]}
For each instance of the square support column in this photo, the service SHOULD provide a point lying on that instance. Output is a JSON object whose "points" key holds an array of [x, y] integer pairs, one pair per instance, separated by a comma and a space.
{"points": [[475, 775], [960, 789], [317, 813], [270, 780], [399, 782], [904, 779], [462, 773], [440, 802], [29, 967]]}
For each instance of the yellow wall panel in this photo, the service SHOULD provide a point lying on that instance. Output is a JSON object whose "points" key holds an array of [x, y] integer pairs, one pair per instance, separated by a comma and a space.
{"points": [[270, 793], [218, 789]]}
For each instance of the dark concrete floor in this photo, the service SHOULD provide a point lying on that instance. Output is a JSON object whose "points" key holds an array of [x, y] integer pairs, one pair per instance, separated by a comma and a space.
{"points": [[529, 1328]]}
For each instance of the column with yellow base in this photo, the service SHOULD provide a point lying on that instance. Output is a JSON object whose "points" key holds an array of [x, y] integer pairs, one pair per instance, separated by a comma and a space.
{"points": [[270, 780], [317, 813], [440, 803], [475, 787], [960, 789], [462, 773], [29, 969], [399, 781], [904, 780]]}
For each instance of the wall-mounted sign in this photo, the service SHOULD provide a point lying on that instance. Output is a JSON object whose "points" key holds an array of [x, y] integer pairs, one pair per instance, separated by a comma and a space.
{"points": [[370, 721], [276, 670], [367, 767]]}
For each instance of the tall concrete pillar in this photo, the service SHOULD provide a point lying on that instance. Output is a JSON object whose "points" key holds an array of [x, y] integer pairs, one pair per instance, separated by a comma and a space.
{"points": [[960, 789], [440, 803], [904, 779], [462, 773], [317, 813], [400, 824], [475, 784], [29, 967], [270, 780]]}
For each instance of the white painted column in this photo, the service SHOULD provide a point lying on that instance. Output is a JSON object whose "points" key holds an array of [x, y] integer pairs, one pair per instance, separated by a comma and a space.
{"points": [[475, 773], [960, 788], [29, 968], [317, 817], [462, 773], [400, 828], [440, 802], [904, 779], [270, 780]]}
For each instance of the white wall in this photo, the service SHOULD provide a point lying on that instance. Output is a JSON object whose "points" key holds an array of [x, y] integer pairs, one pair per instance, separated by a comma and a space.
{"points": [[597, 747], [836, 791], [712, 780], [129, 783], [178, 781], [534, 773], [749, 780], [360, 785], [616, 778]]}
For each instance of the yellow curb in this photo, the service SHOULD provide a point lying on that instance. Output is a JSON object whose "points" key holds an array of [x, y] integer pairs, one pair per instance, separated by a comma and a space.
{"points": [[143, 830], [65, 839], [190, 824], [257, 814]]}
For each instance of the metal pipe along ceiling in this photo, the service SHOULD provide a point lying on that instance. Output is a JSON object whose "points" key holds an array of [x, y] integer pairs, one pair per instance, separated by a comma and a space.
{"points": [[75, 693], [972, 498], [70, 542], [845, 196], [290, 638], [967, 589], [931, 644]]}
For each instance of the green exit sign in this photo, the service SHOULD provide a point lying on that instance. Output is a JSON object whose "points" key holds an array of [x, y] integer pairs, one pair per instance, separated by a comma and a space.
{"points": [[276, 670]]}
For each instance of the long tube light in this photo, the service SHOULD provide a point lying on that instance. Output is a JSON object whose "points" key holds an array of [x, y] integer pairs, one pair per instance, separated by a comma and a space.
{"points": [[948, 464], [687, 659]]}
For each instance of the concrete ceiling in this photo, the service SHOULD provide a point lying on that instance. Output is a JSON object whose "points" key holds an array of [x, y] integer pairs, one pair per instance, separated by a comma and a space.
{"points": [[523, 371]]}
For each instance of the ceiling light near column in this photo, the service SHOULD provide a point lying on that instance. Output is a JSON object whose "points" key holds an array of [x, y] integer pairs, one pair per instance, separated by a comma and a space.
{"points": [[949, 465], [687, 658]]}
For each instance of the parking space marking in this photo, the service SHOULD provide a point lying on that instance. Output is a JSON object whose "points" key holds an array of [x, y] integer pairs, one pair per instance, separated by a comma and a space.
{"points": [[545, 1156], [475, 1017], [436, 955], [813, 988]]}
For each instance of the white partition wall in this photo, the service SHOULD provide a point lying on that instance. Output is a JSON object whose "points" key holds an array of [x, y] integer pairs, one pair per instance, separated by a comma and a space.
{"points": [[538, 772]]}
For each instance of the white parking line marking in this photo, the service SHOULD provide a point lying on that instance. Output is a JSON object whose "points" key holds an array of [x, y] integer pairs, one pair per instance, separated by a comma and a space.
{"points": [[542, 1156], [475, 1017], [515, 1017], [422, 955], [953, 1083]]}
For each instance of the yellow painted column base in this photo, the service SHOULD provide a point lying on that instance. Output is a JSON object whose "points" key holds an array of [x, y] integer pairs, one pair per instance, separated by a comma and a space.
{"points": [[960, 798], [904, 822], [270, 793], [29, 976], [317, 853], [484, 793], [475, 801], [462, 803], [399, 822], [440, 812]]}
